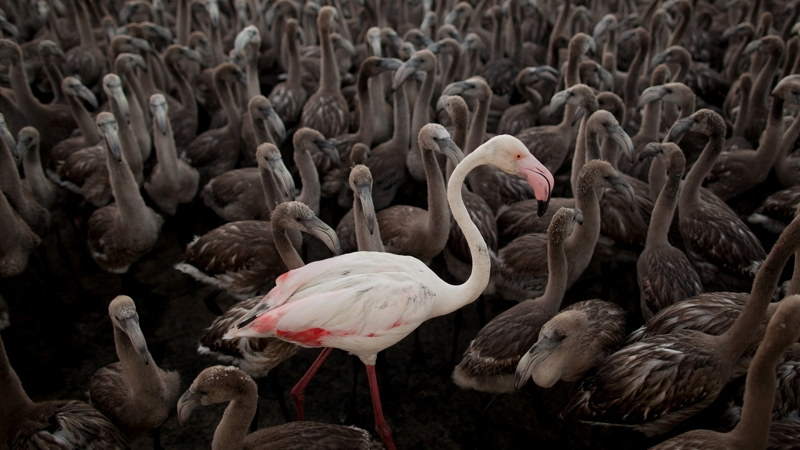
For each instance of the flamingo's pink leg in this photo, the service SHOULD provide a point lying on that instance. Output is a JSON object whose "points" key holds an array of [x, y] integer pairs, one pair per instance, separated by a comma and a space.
{"points": [[299, 390], [380, 423]]}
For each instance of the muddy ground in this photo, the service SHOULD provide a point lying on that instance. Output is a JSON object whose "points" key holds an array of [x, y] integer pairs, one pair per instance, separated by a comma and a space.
{"points": [[60, 334]]}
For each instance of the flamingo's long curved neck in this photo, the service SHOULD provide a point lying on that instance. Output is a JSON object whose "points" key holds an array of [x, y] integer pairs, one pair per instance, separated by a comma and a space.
{"points": [[467, 292], [14, 396], [739, 336]]}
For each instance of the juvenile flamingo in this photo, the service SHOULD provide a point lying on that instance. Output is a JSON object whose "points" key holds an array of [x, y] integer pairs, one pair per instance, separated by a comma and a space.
{"points": [[365, 302]]}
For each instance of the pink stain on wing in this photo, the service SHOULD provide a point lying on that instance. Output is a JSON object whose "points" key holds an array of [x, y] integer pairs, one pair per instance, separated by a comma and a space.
{"points": [[311, 336]]}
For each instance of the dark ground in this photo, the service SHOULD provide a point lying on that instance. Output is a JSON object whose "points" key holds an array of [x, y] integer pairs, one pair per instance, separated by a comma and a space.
{"points": [[60, 334]]}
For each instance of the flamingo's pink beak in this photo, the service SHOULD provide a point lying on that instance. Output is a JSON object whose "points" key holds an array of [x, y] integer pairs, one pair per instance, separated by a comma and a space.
{"points": [[539, 178]]}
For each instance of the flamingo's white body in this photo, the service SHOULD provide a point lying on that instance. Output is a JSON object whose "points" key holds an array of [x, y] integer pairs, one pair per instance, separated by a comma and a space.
{"points": [[365, 302]]}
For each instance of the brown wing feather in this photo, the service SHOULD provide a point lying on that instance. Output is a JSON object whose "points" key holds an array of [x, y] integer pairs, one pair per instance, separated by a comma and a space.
{"points": [[710, 312], [327, 113], [660, 376], [498, 347], [236, 195], [719, 237], [523, 264], [255, 356], [305, 435], [233, 247], [77, 423], [665, 277], [522, 217]]}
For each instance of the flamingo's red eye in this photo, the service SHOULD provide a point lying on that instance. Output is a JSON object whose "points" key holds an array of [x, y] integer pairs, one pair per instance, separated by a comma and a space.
{"points": [[519, 155]]}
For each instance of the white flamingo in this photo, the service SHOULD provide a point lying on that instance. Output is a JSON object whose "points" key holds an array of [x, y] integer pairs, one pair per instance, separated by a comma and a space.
{"points": [[365, 302]]}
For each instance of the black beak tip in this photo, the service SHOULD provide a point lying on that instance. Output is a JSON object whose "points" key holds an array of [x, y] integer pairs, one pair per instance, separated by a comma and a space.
{"points": [[542, 207]]}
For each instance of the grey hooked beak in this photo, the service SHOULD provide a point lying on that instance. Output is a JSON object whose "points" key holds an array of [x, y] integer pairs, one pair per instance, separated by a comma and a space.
{"points": [[192, 55], [404, 71], [592, 45], [602, 26], [620, 185], [651, 94], [213, 13], [140, 44], [680, 127], [625, 36], [390, 64], [160, 115], [442, 103], [651, 149], [540, 351], [374, 39], [753, 47], [282, 178], [347, 46], [605, 76], [187, 403], [622, 139], [577, 216], [275, 122], [732, 31], [659, 59], [130, 326], [19, 150], [127, 11], [162, 32], [456, 88], [328, 150], [323, 232], [119, 96], [112, 137], [451, 17], [368, 207], [449, 149], [558, 101], [241, 77], [137, 60], [243, 38], [545, 73], [578, 116]]}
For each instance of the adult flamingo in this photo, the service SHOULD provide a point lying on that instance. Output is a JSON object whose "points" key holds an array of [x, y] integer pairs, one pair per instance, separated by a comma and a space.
{"points": [[365, 302]]}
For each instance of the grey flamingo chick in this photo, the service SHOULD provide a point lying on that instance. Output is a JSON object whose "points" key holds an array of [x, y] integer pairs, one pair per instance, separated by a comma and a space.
{"points": [[134, 393], [326, 110], [24, 202], [75, 91], [520, 271], [220, 384], [216, 151], [664, 273], [676, 375], [572, 343], [725, 253], [172, 181], [35, 181], [489, 363], [240, 257], [122, 232], [737, 171], [54, 121], [85, 172], [257, 356], [16, 242], [53, 424], [753, 430]]}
